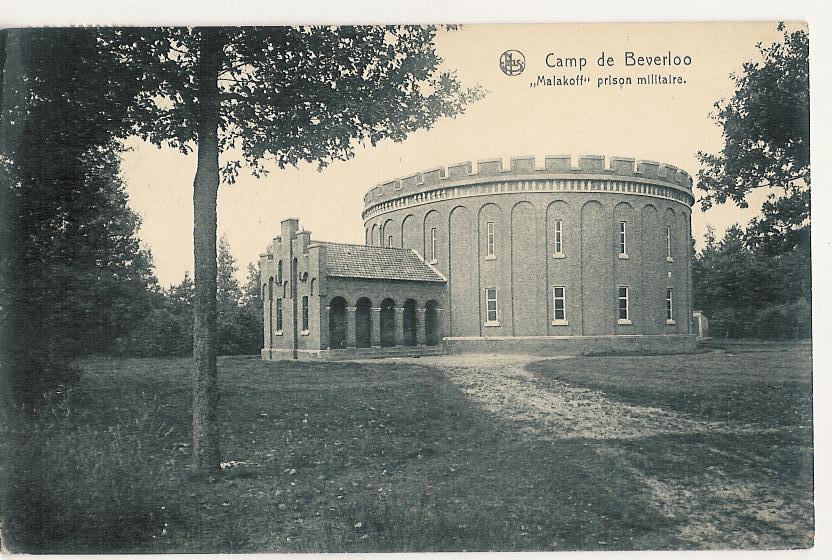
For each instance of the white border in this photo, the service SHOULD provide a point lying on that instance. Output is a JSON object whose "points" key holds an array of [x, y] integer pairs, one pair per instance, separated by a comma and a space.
{"points": [[150, 12]]}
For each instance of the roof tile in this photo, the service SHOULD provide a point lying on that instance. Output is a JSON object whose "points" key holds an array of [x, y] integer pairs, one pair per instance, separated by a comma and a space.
{"points": [[378, 263]]}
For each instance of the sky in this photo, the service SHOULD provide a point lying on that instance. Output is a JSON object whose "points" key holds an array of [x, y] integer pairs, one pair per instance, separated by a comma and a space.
{"points": [[666, 123]]}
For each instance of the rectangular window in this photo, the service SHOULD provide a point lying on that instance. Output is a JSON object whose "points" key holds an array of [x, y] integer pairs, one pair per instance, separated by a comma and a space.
{"points": [[489, 239], [623, 303], [491, 306], [670, 304], [279, 313], [558, 237], [305, 312], [389, 240], [559, 303], [668, 244], [433, 244], [622, 238]]}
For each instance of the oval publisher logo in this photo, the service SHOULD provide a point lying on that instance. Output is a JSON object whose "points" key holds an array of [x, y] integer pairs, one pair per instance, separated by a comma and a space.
{"points": [[512, 62]]}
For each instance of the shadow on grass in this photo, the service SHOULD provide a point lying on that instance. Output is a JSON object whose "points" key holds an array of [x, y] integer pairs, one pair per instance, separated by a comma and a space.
{"points": [[342, 457], [755, 489], [369, 457]]}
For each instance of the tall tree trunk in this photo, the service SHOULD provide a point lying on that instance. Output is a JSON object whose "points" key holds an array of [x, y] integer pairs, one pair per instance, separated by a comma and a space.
{"points": [[206, 452]]}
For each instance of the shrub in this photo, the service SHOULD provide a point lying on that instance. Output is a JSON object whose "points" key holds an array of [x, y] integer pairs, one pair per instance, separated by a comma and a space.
{"points": [[783, 321]]}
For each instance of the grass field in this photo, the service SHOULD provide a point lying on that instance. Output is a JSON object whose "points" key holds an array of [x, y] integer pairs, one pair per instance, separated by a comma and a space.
{"points": [[406, 455]]}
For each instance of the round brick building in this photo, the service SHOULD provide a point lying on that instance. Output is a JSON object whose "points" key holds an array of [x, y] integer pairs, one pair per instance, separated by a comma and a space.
{"points": [[596, 255]]}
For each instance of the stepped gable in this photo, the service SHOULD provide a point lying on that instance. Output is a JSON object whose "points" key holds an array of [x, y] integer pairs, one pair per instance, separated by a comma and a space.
{"points": [[377, 263]]}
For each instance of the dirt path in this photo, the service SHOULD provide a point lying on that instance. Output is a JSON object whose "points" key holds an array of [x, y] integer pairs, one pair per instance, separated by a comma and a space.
{"points": [[713, 513], [550, 408]]}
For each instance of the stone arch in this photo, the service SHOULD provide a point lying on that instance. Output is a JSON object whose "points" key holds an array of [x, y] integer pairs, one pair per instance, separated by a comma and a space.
{"points": [[432, 220], [526, 270], [410, 323], [463, 272], [489, 212], [338, 325], [652, 297], [432, 326], [312, 286], [387, 230], [374, 235], [558, 210], [387, 322], [363, 323], [682, 293], [624, 212], [285, 288], [670, 222], [597, 303], [410, 234]]}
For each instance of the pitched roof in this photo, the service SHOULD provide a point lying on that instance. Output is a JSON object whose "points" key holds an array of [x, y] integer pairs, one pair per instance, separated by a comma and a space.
{"points": [[377, 263]]}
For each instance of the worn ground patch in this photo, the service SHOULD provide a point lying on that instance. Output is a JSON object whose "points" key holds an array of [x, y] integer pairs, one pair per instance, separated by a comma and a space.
{"points": [[716, 508]]}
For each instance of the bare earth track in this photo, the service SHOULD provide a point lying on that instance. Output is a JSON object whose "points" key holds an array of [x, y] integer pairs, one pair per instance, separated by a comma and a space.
{"points": [[555, 410]]}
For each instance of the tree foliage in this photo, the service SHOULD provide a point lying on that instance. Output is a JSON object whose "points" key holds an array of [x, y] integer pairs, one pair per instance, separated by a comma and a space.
{"points": [[280, 94], [73, 273], [238, 329], [291, 94], [765, 128], [749, 293], [167, 328], [756, 281]]}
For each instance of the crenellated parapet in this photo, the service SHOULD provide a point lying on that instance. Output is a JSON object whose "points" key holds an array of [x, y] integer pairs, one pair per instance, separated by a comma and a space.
{"points": [[590, 171]]}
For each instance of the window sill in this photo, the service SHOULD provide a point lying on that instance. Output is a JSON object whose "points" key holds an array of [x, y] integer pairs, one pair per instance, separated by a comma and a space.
{"points": [[279, 333], [625, 322], [560, 323], [669, 259], [304, 333], [670, 322], [491, 324], [623, 256], [491, 257], [433, 261], [558, 256]]}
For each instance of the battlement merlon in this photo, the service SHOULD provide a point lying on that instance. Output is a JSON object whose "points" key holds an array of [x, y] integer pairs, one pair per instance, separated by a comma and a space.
{"points": [[524, 166]]}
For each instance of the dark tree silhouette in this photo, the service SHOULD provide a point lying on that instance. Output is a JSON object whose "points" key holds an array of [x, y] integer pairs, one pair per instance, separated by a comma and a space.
{"points": [[285, 94], [73, 274], [765, 128]]}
